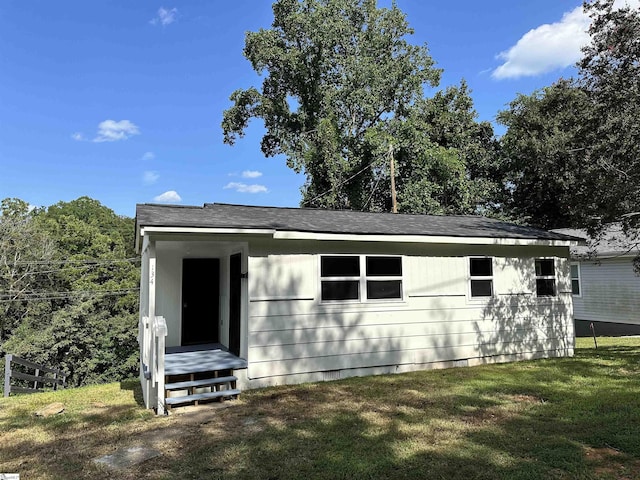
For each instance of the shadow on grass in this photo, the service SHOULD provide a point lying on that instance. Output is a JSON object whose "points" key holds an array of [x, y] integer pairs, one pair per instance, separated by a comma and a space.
{"points": [[561, 418], [133, 384]]}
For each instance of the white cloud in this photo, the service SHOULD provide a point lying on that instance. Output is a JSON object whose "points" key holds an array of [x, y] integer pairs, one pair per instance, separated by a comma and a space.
{"points": [[112, 131], [251, 174], [546, 48], [244, 188], [164, 16], [78, 137], [149, 177], [168, 197], [626, 3], [148, 156], [550, 46]]}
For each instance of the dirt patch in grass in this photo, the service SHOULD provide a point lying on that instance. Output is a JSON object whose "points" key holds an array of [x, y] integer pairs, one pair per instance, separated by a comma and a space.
{"points": [[610, 463]]}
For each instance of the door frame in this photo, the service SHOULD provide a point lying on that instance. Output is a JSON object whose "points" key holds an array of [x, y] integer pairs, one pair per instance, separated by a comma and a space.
{"points": [[223, 253], [234, 324], [243, 250], [220, 289]]}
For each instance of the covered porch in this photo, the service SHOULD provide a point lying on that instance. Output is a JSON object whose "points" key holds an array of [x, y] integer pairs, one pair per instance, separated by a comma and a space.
{"points": [[192, 315]]}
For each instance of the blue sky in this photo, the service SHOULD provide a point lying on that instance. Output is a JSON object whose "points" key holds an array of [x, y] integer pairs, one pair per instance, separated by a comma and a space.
{"points": [[122, 101]]}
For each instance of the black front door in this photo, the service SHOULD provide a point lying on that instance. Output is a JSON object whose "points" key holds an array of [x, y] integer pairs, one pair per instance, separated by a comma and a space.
{"points": [[200, 300], [235, 299]]}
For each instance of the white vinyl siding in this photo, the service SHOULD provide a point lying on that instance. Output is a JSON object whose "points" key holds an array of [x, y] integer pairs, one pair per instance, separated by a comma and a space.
{"points": [[278, 277], [434, 323], [513, 276], [610, 292]]}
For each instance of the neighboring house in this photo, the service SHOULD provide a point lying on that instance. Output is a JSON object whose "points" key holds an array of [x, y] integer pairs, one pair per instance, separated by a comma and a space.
{"points": [[606, 289], [257, 296]]}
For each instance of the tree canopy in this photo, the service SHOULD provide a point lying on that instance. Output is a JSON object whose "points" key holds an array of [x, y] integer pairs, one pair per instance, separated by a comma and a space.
{"points": [[573, 149], [343, 92], [610, 74], [69, 288], [544, 151]]}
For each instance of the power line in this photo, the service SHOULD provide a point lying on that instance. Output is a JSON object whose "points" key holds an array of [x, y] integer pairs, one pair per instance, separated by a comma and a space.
{"points": [[372, 164], [64, 292], [66, 269], [41, 296], [73, 262]]}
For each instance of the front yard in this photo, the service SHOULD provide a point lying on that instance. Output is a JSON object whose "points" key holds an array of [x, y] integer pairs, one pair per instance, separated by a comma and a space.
{"points": [[562, 418]]}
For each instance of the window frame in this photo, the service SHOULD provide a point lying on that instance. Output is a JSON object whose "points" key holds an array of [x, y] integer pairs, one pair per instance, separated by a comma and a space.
{"points": [[553, 277], [470, 278], [579, 279], [362, 279]]}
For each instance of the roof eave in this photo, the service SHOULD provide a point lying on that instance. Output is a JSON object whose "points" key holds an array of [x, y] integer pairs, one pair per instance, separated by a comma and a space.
{"points": [[330, 236]]}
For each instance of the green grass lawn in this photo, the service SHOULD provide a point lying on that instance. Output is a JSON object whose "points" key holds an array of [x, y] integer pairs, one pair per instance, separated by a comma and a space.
{"points": [[560, 418]]}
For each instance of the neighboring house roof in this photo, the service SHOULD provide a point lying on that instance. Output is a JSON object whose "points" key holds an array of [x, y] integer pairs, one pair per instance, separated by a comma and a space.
{"points": [[225, 216], [613, 242]]}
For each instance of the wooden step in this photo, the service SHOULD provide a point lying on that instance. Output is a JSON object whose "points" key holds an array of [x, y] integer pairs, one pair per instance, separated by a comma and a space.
{"points": [[205, 382], [202, 396]]}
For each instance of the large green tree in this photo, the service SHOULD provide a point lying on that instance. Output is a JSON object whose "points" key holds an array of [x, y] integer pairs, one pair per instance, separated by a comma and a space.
{"points": [[85, 319], [573, 149], [343, 93], [25, 253], [610, 73], [548, 176]]}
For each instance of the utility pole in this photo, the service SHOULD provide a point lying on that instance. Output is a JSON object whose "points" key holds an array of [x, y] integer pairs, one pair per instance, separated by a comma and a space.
{"points": [[394, 203]]}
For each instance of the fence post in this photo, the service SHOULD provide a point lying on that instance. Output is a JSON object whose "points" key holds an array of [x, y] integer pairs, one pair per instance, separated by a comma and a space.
{"points": [[7, 374]]}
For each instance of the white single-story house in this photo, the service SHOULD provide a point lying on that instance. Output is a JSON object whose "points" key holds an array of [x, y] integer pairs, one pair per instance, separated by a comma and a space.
{"points": [[239, 297], [606, 289]]}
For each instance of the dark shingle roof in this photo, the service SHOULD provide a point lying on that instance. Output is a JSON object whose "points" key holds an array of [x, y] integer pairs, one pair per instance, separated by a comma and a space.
{"points": [[218, 215], [613, 241]]}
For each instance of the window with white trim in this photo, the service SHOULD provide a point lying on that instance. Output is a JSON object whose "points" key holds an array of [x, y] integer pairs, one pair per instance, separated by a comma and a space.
{"points": [[481, 277], [576, 287], [360, 277], [545, 277]]}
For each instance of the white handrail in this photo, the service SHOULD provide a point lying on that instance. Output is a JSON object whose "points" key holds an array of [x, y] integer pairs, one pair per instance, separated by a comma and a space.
{"points": [[159, 334]]}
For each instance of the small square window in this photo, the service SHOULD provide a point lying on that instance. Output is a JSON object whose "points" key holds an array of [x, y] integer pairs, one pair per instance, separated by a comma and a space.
{"points": [[378, 289], [546, 287], [545, 267], [481, 288], [340, 266], [545, 277], [481, 267], [384, 266], [481, 277], [340, 290]]}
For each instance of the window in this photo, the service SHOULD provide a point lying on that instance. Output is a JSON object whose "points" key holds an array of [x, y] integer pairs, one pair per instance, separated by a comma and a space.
{"points": [[481, 277], [545, 277], [575, 279], [359, 277], [382, 277], [340, 278]]}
